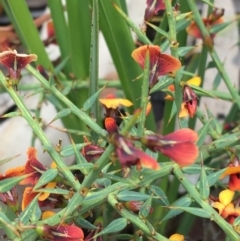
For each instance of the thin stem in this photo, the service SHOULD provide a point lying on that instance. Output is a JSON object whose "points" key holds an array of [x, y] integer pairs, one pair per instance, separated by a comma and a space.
{"points": [[80, 114], [144, 96], [134, 219], [174, 51]]}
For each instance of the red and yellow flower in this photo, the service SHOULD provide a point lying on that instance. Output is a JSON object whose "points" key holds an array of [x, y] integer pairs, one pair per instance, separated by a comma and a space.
{"points": [[160, 64], [225, 205], [214, 18], [128, 155], [189, 104]]}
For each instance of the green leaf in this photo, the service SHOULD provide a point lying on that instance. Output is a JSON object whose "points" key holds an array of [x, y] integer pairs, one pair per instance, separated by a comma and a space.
{"points": [[181, 202], [202, 133], [115, 226], [163, 83], [90, 101], [8, 183], [46, 177], [236, 224], [131, 196], [158, 30], [8, 159], [195, 211], [216, 125], [68, 150], [83, 223], [182, 51], [213, 178], [204, 187], [219, 27], [36, 213], [159, 195], [25, 215], [11, 114], [54, 191], [217, 81], [61, 114], [8, 227], [146, 208]]}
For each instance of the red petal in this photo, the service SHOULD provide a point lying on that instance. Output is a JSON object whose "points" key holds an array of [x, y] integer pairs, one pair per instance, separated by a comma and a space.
{"points": [[32, 166], [50, 29], [110, 125], [146, 160], [165, 63], [184, 153], [153, 7], [66, 233], [181, 135]]}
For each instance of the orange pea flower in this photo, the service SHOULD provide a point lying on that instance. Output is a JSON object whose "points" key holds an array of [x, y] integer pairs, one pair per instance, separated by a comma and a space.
{"points": [[152, 9], [213, 19], [128, 155], [225, 206], [44, 199], [15, 62], [233, 171], [179, 146], [33, 167], [160, 64]]}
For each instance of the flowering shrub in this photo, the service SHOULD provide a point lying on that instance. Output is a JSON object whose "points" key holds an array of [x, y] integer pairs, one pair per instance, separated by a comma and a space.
{"points": [[117, 187]]}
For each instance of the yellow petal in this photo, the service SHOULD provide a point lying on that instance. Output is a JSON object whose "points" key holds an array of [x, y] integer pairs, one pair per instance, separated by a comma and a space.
{"points": [[115, 103], [226, 196], [194, 81], [177, 237], [219, 206], [183, 112], [45, 195], [47, 214]]}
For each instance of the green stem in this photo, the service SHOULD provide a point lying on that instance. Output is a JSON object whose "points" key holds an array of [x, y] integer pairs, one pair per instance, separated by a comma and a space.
{"points": [[80, 114], [191, 189], [25, 113], [134, 219], [144, 96], [174, 50], [94, 57]]}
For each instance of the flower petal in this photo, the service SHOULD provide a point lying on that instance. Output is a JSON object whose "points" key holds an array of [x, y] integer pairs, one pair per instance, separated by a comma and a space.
{"points": [[194, 81], [184, 154], [153, 7], [226, 196], [45, 195], [181, 135], [177, 237], [115, 103], [146, 160], [230, 170], [165, 63], [110, 125]]}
